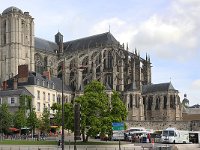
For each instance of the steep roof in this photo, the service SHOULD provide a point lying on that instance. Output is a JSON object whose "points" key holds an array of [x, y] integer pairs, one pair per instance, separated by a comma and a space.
{"points": [[21, 91], [42, 44], [12, 9], [58, 84], [38, 79], [162, 87], [91, 41]]}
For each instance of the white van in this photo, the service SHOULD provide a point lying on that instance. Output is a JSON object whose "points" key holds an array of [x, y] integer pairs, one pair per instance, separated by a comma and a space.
{"points": [[172, 135]]}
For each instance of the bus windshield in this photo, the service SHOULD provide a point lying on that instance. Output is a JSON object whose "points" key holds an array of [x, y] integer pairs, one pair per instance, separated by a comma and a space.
{"points": [[168, 133]]}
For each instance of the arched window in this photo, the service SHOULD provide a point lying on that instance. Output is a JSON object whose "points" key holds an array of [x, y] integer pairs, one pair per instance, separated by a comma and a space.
{"points": [[157, 103], [110, 59], [38, 64], [4, 35], [150, 101], [165, 102]]}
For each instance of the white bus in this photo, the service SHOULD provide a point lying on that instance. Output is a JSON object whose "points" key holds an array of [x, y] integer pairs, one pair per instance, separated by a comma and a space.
{"points": [[172, 135]]}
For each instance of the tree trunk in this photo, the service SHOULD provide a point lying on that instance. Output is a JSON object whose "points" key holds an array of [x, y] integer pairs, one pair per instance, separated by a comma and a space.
{"points": [[83, 137], [87, 138]]}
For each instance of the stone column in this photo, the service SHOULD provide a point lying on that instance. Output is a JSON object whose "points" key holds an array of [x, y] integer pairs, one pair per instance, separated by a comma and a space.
{"points": [[134, 109], [67, 74], [133, 69], [32, 46], [89, 65], [177, 111], [141, 109], [121, 75], [102, 67], [114, 71], [168, 107], [127, 101], [161, 102], [94, 71]]}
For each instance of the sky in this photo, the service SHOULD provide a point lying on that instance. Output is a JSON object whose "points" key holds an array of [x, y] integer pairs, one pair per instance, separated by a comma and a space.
{"points": [[167, 30]]}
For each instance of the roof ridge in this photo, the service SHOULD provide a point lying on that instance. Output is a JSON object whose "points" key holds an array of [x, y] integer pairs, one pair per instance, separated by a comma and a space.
{"points": [[87, 37], [45, 40]]}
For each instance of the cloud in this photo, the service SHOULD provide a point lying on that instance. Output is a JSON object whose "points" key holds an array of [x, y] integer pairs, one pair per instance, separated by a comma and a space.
{"points": [[196, 85], [171, 35]]}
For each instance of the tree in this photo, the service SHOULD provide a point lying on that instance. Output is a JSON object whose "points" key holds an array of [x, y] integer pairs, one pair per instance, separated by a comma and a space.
{"points": [[68, 115], [94, 109], [32, 120], [20, 119], [5, 119], [45, 121], [118, 109]]}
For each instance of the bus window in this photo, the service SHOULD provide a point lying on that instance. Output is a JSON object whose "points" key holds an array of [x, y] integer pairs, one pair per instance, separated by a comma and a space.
{"points": [[171, 133]]}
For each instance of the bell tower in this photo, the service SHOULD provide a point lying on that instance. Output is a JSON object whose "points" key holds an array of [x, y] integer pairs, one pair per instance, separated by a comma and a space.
{"points": [[16, 41]]}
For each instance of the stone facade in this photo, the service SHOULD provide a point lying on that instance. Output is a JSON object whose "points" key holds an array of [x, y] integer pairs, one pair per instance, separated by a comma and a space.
{"points": [[100, 57]]}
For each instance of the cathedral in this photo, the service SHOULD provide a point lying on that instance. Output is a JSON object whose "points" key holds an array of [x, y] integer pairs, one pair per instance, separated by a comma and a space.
{"points": [[98, 57]]}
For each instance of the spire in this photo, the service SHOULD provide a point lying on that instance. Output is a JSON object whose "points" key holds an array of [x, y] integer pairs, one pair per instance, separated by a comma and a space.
{"points": [[135, 51], [127, 46], [149, 58], [146, 57]]}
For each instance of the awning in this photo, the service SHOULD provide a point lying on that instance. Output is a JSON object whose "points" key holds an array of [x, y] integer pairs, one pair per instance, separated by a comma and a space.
{"points": [[13, 129], [54, 126]]}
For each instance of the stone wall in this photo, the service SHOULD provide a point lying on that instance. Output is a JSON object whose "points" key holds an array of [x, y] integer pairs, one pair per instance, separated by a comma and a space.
{"points": [[160, 125]]}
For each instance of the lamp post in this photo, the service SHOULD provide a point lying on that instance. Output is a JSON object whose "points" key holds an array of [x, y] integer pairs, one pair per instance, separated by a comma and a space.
{"points": [[63, 135]]}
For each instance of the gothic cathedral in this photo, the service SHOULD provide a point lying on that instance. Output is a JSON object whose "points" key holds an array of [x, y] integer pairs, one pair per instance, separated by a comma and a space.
{"points": [[99, 57]]}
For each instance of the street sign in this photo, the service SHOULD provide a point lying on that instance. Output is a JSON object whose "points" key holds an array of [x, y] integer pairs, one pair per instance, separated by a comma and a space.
{"points": [[114, 124], [117, 126]]}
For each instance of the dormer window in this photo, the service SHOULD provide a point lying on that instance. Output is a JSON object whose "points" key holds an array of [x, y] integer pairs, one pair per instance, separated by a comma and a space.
{"points": [[53, 86], [43, 83], [38, 81], [47, 84]]}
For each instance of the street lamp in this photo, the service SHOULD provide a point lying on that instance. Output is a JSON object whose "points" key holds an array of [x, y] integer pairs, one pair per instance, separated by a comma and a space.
{"points": [[63, 135]]}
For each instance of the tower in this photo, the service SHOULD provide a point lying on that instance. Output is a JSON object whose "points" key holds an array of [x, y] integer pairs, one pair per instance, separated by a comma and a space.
{"points": [[59, 42], [16, 41]]}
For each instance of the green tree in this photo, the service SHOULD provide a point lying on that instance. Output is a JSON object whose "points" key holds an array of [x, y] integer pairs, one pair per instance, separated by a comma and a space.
{"points": [[118, 109], [32, 120], [68, 115], [5, 119], [95, 110], [20, 119], [45, 121]]}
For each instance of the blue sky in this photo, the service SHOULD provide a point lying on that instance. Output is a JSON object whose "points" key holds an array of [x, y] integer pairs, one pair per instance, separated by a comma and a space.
{"points": [[167, 30]]}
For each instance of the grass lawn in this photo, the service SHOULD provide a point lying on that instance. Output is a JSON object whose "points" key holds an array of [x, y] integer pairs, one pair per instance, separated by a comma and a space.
{"points": [[25, 142]]}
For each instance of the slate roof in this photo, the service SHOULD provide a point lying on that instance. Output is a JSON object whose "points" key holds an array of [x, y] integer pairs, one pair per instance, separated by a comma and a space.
{"points": [[78, 44], [131, 87], [35, 78], [58, 84], [12, 9], [21, 91], [42, 44], [162, 87], [91, 41]]}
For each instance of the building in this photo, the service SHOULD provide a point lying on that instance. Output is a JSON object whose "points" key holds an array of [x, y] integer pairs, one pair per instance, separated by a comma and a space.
{"points": [[99, 57]]}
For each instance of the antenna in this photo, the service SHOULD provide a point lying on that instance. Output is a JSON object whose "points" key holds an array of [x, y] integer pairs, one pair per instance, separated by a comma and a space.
{"points": [[109, 28]]}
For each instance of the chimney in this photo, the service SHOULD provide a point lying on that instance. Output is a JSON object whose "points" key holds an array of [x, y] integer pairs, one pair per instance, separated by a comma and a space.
{"points": [[47, 75], [14, 84], [4, 85], [22, 73]]}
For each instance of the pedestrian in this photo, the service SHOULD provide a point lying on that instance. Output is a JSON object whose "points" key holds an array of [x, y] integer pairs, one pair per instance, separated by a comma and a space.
{"points": [[59, 142], [149, 137]]}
